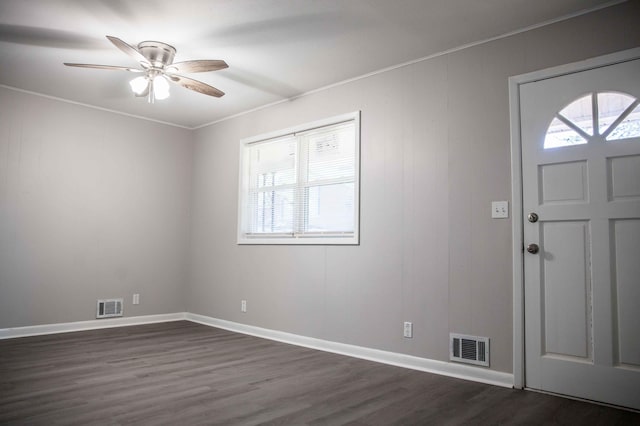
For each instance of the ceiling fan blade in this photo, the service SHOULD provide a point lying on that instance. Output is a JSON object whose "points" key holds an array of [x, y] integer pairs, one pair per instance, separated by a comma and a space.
{"points": [[129, 50], [198, 66], [196, 85], [103, 67]]}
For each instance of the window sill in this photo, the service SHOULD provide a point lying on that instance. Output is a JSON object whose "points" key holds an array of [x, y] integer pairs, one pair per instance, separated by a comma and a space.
{"points": [[324, 240]]}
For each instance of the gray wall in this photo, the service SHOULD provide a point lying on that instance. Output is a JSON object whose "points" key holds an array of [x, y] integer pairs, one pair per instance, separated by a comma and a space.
{"points": [[92, 205], [435, 153]]}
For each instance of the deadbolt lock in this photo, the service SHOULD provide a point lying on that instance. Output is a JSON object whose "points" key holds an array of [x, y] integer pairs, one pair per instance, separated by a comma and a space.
{"points": [[532, 217]]}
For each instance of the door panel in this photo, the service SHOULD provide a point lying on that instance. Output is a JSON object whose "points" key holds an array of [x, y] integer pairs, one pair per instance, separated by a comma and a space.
{"points": [[627, 274], [624, 177], [580, 136], [564, 183], [567, 289]]}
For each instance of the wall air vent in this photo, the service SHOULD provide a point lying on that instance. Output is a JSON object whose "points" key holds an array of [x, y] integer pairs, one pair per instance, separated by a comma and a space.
{"points": [[469, 349], [108, 308]]}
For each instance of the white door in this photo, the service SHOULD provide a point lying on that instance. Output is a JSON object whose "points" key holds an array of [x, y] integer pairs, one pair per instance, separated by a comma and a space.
{"points": [[580, 136]]}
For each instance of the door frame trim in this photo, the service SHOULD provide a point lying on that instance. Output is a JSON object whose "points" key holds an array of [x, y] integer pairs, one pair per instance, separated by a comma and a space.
{"points": [[517, 223]]}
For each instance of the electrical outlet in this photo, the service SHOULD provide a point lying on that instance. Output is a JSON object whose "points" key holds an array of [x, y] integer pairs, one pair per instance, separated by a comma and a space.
{"points": [[136, 298], [243, 306], [408, 329], [499, 209]]}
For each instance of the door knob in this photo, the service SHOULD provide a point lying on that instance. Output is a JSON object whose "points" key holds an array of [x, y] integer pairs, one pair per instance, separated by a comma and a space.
{"points": [[532, 217], [533, 248]]}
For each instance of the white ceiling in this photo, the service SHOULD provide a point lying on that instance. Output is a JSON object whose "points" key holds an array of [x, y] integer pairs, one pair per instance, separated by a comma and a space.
{"points": [[276, 49]]}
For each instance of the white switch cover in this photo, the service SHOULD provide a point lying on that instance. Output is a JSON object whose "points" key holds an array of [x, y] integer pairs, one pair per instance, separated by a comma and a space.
{"points": [[243, 306], [136, 299], [499, 209], [408, 329]]}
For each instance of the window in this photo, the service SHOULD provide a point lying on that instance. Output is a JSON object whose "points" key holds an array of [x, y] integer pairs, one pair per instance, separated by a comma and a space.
{"points": [[617, 116], [301, 185]]}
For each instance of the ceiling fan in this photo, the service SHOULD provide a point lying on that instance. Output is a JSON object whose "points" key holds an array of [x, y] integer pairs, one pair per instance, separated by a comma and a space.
{"points": [[157, 69]]}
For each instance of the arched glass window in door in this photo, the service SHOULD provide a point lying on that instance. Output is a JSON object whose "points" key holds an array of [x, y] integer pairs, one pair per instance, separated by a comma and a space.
{"points": [[606, 115]]}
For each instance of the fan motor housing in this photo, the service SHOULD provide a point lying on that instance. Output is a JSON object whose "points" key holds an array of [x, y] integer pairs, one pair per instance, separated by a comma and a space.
{"points": [[159, 54]]}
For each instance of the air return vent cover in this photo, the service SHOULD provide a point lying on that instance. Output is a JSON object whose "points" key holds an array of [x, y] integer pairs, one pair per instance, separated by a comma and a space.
{"points": [[108, 308], [469, 349]]}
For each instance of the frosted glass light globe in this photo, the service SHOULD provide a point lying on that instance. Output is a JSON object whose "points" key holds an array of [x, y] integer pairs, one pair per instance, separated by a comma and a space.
{"points": [[139, 85], [160, 87]]}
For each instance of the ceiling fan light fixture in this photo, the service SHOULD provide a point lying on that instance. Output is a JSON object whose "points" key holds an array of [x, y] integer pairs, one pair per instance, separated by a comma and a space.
{"points": [[156, 62], [139, 85]]}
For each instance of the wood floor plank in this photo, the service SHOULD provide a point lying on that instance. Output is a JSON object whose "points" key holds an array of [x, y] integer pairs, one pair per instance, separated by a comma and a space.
{"points": [[181, 373]]}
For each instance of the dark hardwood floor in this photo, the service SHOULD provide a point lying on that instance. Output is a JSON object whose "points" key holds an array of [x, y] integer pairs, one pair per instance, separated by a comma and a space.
{"points": [[181, 373]]}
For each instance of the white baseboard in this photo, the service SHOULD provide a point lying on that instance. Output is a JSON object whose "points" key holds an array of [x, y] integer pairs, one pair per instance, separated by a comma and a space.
{"points": [[67, 327], [476, 374]]}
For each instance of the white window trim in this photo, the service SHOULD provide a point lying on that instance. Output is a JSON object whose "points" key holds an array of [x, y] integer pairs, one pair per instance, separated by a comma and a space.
{"points": [[308, 238]]}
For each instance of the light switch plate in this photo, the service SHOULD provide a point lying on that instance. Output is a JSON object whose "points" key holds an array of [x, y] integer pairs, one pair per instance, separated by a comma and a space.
{"points": [[408, 330], [500, 209]]}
